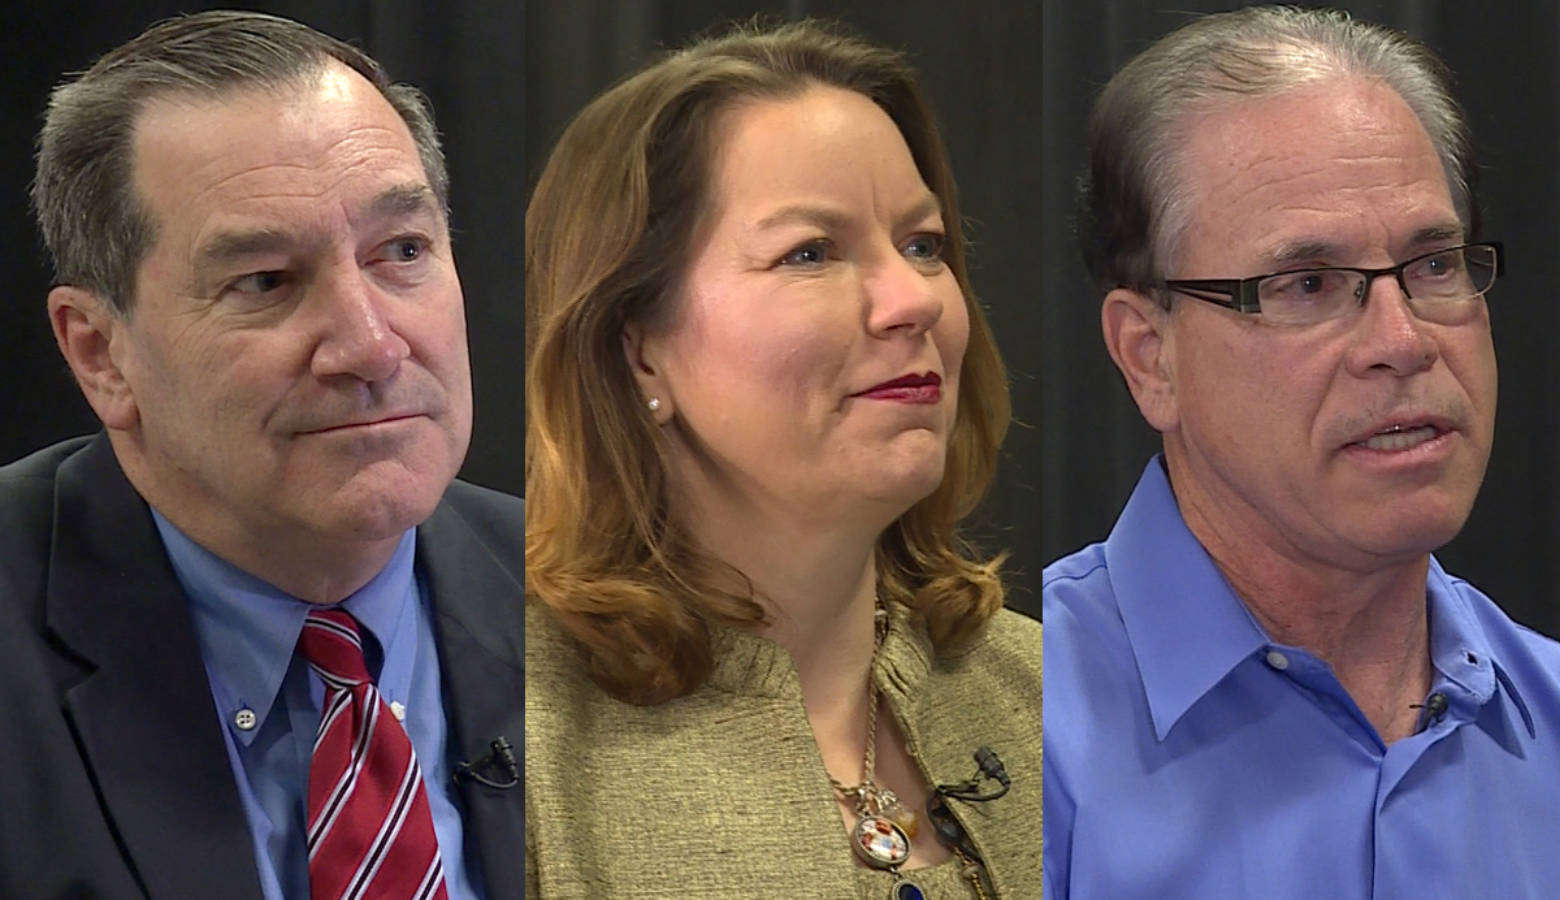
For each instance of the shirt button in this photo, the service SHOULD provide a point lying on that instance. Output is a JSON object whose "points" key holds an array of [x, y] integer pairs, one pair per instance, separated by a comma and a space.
{"points": [[244, 719], [1277, 660], [398, 709]]}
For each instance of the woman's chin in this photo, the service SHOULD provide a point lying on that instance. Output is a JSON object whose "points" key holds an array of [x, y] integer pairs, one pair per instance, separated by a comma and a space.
{"points": [[905, 482]]}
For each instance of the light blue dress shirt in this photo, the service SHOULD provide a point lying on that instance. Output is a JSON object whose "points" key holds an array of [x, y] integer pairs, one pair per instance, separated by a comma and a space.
{"points": [[1187, 755], [269, 700]]}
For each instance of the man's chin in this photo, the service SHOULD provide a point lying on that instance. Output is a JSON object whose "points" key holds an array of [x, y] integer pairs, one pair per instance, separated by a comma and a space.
{"points": [[372, 507], [1408, 533]]}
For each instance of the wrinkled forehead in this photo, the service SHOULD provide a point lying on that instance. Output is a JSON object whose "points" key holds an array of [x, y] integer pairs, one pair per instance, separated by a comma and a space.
{"points": [[1343, 161], [321, 137]]}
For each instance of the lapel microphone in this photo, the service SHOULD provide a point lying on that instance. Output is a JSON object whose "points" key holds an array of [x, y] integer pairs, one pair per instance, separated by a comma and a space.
{"points": [[949, 831], [990, 768], [500, 758], [1434, 707]]}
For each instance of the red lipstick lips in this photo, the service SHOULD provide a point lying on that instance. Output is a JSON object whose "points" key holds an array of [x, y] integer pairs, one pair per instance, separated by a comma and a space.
{"points": [[913, 388]]}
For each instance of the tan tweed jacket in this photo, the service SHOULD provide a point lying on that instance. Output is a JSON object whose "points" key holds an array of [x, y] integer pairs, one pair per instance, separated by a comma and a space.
{"points": [[723, 793]]}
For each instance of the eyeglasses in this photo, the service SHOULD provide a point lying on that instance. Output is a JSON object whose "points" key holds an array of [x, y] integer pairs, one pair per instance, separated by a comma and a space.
{"points": [[1435, 283]]}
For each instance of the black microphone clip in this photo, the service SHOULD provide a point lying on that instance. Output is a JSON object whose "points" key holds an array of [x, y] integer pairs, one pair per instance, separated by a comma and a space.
{"points": [[501, 757], [990, 767], [948, 829], [1434, 708]]}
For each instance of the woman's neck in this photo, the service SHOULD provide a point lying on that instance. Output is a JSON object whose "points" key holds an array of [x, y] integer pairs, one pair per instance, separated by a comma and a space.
{"points": [[818, 588], [819, 602]]}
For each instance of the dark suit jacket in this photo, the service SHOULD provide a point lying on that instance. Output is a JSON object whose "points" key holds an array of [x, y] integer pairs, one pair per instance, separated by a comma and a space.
{"points": [[114, 781]]}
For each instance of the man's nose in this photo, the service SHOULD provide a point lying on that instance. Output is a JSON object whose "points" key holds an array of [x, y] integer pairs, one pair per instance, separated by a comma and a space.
{"points": [[358, 336]]}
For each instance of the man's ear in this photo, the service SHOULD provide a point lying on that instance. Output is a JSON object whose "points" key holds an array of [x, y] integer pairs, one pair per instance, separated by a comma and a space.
{"points": [[1137, 335], [92, 337], [643, 352]]}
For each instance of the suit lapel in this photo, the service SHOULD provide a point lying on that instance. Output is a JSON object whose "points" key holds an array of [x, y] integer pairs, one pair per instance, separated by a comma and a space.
{"points": [[479, 610], [144, 716]]}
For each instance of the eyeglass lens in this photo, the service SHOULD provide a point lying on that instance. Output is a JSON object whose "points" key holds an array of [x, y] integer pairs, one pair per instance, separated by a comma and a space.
{"points": [[1460, 273]]}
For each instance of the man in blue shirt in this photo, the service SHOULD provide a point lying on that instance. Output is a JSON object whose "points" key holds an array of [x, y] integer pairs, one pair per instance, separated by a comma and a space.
{"points": [[1262, 684], [256, 293]]}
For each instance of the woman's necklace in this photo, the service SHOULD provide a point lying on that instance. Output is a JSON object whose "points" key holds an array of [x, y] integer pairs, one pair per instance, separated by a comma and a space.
{"points": [[882, 834]]}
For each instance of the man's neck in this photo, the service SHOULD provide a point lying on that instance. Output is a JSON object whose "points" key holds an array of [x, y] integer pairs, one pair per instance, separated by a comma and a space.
{"points": [[320, 573], [1368, 623], [1373, 632], [311, 566]]}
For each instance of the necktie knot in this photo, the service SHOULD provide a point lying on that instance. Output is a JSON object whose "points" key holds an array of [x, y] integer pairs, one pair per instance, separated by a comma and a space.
{"points": [[331, 644]]}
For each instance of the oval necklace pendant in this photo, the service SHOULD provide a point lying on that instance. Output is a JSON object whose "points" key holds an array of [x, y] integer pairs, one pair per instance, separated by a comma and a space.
{"points": [[905, 889], [880, 843]]}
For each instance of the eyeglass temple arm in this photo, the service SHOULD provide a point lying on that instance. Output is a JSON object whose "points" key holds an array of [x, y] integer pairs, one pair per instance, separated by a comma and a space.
{"points": [[1230, 293]]}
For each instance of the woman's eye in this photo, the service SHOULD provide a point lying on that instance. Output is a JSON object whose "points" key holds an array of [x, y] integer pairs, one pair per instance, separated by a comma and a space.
{"points": [[811, 253], [925, 247]]}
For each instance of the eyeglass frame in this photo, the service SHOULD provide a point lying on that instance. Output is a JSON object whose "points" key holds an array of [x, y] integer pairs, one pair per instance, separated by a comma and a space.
{"points": [[1241, 293]]}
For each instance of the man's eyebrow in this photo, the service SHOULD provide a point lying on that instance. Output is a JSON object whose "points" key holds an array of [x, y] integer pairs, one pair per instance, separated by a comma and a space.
{"points": [[1436, 234], [1312, 250], [403, 200], [396, 202], [225, 246], [1305, 251]]}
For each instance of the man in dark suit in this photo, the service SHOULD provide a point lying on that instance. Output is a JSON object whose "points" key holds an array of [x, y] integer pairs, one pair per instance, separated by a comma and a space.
{"points": [[255, 292]]}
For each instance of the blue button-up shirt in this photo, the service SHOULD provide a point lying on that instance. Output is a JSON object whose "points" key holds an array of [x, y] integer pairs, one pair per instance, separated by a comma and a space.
{"points": [[1187, 755], [269, 700]]}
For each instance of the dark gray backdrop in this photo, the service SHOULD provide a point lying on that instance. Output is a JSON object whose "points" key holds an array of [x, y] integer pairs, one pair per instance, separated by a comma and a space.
{"points": [[980, 63], [466, 54], [1093, 442]]}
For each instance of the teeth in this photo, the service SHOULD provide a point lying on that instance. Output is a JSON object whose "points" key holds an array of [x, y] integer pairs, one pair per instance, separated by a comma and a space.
{"points": [[1399, 439]]}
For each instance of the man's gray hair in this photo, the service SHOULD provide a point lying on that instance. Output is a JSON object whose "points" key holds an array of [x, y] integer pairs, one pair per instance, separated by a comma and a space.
{"points": [[1132, 205], [96, 228]]}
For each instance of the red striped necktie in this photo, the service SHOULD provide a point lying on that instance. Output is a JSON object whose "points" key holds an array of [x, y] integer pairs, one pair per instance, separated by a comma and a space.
{"points": [[370, 830]]}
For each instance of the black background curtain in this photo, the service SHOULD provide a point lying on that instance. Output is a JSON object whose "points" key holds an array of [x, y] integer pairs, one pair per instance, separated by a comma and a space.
{"points": [[465, 54], [980, 65], [1012, 83], [1093, 444]]}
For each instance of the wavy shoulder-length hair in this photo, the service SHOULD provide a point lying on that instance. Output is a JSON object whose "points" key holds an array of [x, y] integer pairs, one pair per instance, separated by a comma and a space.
{"points": [[608, 234]]}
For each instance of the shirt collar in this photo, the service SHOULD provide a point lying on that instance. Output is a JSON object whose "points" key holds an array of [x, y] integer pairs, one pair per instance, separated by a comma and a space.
{"points": [[1464, 658], [1186, 627], [1188, 630], [248, 629]]}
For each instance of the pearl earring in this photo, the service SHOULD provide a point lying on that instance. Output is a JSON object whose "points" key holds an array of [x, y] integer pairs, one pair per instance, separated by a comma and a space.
{"points": [[654, 404]]}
